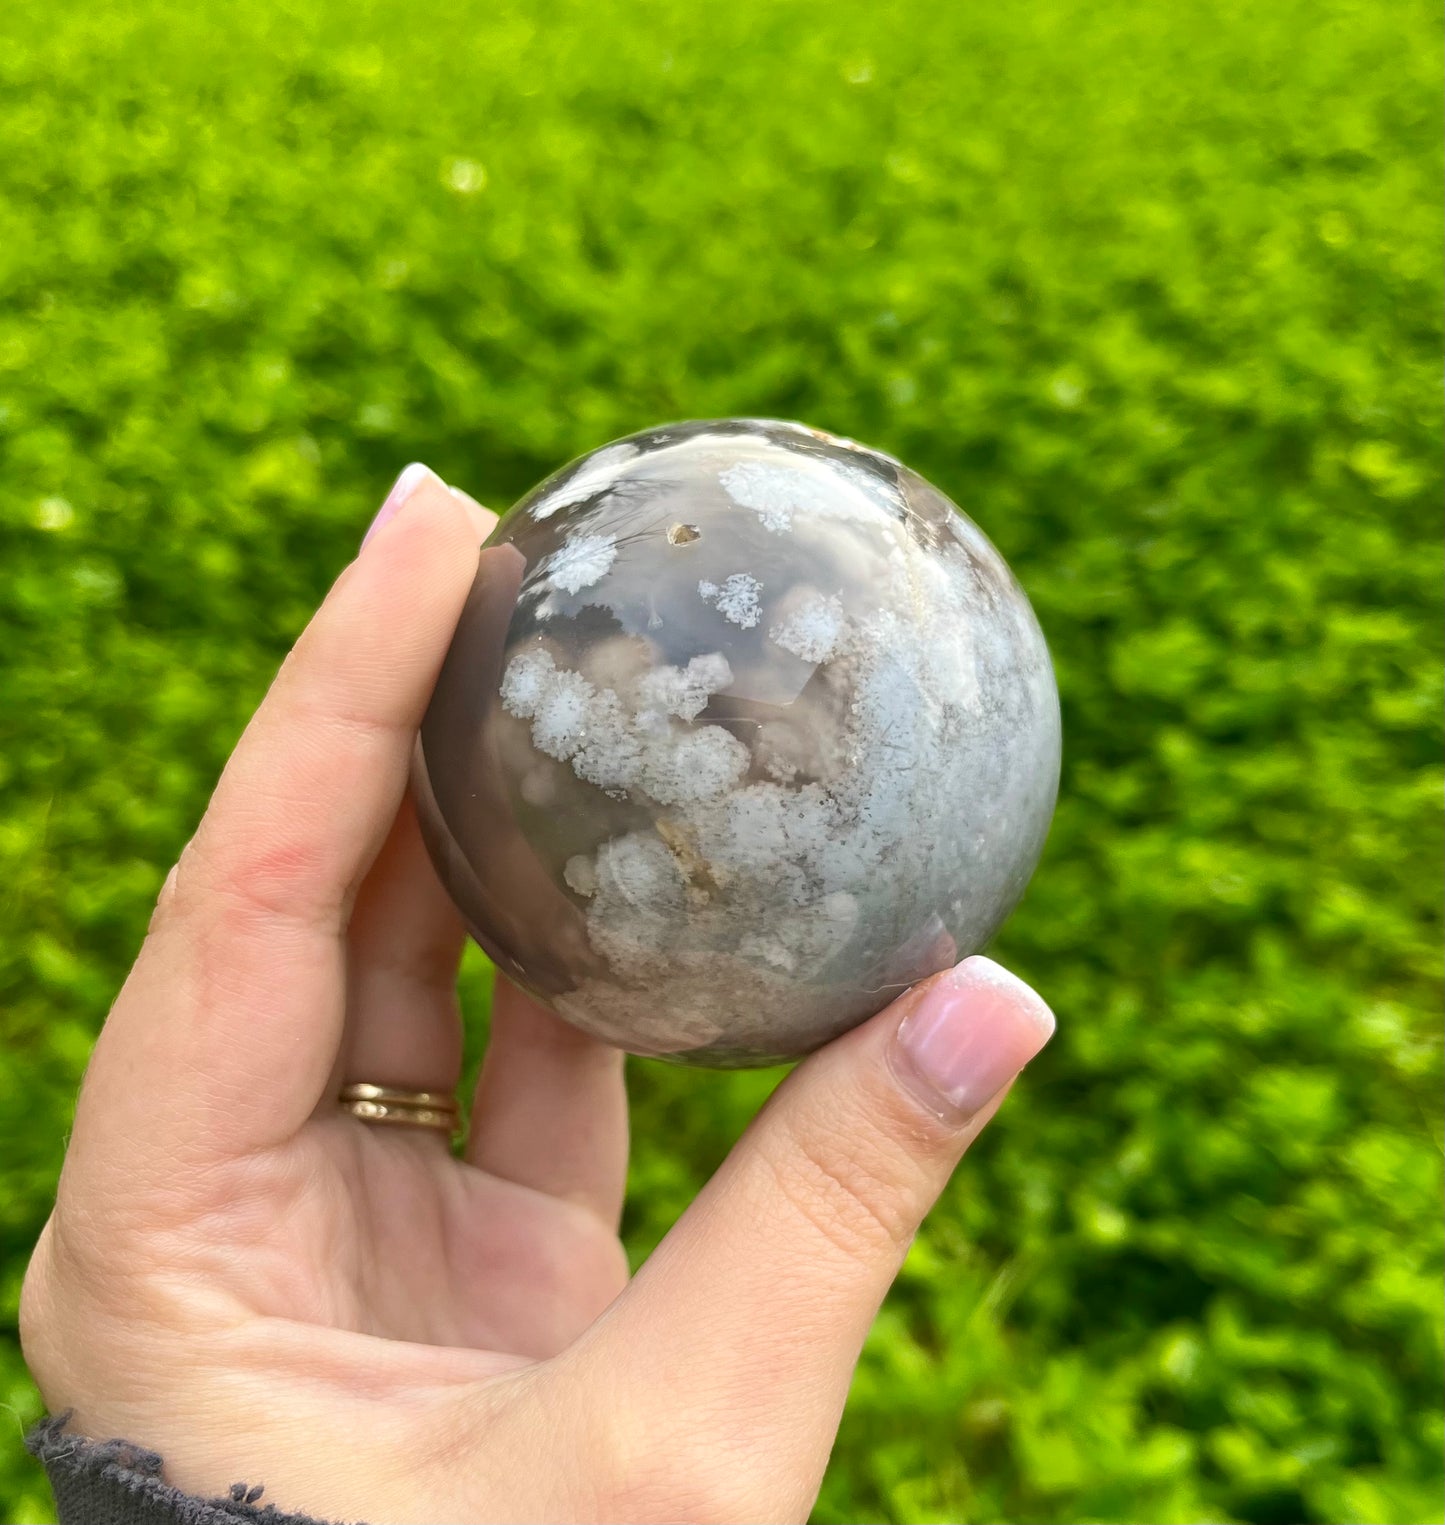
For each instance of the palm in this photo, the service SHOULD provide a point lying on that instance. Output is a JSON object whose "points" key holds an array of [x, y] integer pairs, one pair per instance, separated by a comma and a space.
{"points": [[384, 1233], [336, 1227]]}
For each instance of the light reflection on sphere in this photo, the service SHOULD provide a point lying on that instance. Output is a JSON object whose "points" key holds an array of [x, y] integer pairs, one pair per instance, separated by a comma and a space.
{"points": [[744, 729]]}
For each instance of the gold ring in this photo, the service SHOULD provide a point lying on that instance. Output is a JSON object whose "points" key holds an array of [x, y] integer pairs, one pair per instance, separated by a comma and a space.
{"points": [[393, 1107]]}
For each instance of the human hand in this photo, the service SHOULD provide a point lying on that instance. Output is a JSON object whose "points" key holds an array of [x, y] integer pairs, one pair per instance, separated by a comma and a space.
{"points": [[256, 1284]]}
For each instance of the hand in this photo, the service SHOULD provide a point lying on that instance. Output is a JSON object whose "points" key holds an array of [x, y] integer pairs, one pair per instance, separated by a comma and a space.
{"points": [[259, 1286]]}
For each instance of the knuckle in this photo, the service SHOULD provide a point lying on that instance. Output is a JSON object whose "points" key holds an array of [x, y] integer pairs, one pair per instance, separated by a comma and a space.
{"points": [[351, 728], [253, 878], [267, 877], [849, 1186], [287, 879]]}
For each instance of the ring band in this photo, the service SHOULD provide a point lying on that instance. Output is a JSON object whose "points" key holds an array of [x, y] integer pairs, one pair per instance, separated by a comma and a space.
{"points": [[441, 1101], [392, 1107]]}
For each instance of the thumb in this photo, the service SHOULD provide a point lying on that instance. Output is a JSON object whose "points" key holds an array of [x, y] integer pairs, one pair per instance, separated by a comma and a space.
{"points": [[752, 1312]]}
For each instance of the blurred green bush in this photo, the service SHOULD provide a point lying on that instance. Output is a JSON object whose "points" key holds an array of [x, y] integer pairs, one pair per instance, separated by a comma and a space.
{"points": [[1153, 291]]}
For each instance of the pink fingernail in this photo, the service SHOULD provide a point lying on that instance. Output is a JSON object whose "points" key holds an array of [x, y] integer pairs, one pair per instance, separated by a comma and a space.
{"points": [[971, 1032], [404, 486]]}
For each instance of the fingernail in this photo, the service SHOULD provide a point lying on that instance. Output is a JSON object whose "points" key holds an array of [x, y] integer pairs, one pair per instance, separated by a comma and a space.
{"points": [[973, 1029], [404, 486]]}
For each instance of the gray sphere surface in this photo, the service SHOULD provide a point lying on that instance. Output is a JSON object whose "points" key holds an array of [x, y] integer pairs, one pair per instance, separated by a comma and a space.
{"points": [[744, 729]]}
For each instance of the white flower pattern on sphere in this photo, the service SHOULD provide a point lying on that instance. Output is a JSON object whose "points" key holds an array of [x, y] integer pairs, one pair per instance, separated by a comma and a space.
{"points": [[813, 630], [736, 599]]}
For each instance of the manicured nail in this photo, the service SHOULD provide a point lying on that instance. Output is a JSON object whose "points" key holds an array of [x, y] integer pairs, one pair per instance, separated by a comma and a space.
{"points": [[404, 486], [973, 1029]]}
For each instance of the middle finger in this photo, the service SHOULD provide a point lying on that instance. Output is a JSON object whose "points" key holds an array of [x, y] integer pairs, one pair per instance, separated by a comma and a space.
{"points": [[403, 1024]]}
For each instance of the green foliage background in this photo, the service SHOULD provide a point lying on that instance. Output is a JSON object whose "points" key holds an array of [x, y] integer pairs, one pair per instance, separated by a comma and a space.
{"points": [[1153, 290]]}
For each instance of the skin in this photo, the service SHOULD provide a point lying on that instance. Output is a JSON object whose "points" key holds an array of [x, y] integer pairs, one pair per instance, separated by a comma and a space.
{"points": [[256, 1285]]}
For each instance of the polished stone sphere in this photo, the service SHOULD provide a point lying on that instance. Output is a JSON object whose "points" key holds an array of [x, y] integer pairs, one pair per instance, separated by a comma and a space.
{"points": [[744, 729]]}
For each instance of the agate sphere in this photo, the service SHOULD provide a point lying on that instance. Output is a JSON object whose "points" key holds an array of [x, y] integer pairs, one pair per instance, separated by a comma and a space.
{"points": [[744, 729]]}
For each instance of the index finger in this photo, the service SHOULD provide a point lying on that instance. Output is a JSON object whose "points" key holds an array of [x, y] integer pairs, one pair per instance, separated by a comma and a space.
{"points": [[234, 1011]]}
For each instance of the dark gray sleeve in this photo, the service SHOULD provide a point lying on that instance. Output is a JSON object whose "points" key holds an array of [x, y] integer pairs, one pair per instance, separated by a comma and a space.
{"points": [[110, 1482]]}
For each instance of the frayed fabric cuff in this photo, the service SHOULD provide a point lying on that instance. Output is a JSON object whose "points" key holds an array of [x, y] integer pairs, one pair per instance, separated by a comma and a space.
{"points": [[111, 1482]]}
